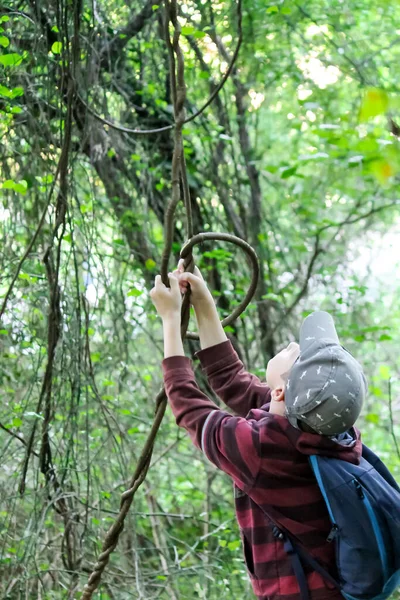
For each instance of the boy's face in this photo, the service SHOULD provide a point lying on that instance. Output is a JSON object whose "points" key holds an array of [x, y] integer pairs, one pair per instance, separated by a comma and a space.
{"points": [[279, 366]]}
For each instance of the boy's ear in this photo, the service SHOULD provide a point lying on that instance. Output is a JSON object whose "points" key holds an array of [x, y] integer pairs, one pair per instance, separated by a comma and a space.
{"points": [[278, 394]]}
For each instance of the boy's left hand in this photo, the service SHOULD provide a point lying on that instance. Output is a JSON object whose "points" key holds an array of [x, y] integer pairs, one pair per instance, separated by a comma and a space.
{"points": [[168, 301]]}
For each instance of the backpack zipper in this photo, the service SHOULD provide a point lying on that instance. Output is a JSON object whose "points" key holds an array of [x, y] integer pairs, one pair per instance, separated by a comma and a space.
{"points": [[375, 527], [333, 533], [359, 489]]}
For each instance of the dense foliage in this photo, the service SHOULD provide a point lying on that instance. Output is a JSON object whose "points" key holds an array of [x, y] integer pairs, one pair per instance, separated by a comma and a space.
{"points": [[298, 154]]}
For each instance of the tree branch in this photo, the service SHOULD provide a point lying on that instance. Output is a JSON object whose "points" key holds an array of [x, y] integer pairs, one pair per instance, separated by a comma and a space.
{"points": [[124, 35], [219, 87], [303, 290], [16, 436]]}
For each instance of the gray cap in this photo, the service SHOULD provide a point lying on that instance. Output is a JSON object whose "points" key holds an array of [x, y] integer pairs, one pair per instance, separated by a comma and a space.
{"points": [[326, 386]]}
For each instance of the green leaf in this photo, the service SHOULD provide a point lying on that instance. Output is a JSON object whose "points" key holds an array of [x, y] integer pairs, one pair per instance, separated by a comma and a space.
{"points": [[17, 91], [107, 397], [384, 372], [218, 253], [5, 92], [272, 9], [372, 418], [21, 187], [271, 296], [383, 170], [288, 172], [359, 338], [188, 30], [132, 431], [4, 19], [45, 179], [4, 41], [17, 422], [385, 337], [151, 88], [234, 545], [376, 391], [150, 264], [222, 543], [16, 110], [11, 60], [229, 329], [55, 28], [57, 48], [135, 157], [3, 332], [374, 103], [134, 292], [8, 184]]}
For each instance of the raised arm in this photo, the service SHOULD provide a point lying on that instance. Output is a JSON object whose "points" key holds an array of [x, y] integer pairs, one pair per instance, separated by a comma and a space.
{"points": [[230, 443], [239, 389]]}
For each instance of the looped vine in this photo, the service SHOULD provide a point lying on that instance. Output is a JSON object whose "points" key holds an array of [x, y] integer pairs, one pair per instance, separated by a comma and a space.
{"points": [[178, 182], [186, 254]]}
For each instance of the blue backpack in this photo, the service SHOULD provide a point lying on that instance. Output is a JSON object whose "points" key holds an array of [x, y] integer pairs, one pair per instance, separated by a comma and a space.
{"points": [[363, 502]]}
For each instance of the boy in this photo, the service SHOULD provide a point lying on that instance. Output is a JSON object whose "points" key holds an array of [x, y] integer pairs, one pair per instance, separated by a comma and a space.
{"points": [[313, 396]]}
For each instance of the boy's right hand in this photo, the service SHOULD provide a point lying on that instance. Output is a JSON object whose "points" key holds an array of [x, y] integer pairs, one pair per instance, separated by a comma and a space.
{"points": [[200, 297]]}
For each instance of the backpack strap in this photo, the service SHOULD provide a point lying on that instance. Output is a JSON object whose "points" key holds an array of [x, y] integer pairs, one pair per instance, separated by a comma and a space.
{"points": [[298, 556], [295, 560], [316, 565]]}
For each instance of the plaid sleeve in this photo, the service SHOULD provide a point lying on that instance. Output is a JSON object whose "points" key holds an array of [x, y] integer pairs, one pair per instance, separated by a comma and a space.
{"points": [[230, 443], [240, 390], [233, 445]]}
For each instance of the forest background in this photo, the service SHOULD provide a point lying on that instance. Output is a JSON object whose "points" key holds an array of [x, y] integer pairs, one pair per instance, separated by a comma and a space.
{"points": [[298, 154]]}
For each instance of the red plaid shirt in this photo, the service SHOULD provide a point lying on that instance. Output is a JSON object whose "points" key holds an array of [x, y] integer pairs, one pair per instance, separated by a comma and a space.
{"points": [[267, 459]]}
